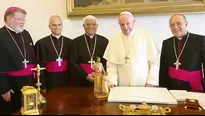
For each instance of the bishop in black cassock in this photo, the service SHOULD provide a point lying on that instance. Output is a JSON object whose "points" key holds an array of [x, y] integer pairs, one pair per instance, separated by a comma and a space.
{"points": [[81, 57], [14, 75], [182, 60], [46, 56], [52, 52], [17, 59]]}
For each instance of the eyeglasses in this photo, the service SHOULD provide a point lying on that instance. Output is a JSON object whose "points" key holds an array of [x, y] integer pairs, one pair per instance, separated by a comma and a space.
{"points": [[19, 19], [177, 24]]}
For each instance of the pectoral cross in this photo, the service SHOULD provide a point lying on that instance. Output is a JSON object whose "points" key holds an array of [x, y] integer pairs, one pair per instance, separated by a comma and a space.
{"points": [[25, 62], [126, 58], [59, 60], [91, 62], [177, 63]]}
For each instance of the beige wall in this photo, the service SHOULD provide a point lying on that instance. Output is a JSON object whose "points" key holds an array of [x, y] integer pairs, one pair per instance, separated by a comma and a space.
{"points": [[40, 10], [38, 13]]}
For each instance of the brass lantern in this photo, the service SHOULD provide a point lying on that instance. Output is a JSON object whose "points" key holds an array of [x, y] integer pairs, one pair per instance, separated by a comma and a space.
{"points": [[29, 101]]}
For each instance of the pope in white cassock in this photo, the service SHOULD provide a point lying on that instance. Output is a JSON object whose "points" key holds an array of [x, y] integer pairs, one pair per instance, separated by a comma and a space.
{"points": [[132, 59]]}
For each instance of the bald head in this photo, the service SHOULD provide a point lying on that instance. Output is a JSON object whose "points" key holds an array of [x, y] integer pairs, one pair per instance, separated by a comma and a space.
{"points": [[176, 16], [54, 17], [126, 21], [55, 25], [178, 25]]}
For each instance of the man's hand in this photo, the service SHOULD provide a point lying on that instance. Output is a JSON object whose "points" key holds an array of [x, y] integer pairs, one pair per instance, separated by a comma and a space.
{"points": [[7, 96], [111, 86], [43, 91], [90, 78], [149, 85]]}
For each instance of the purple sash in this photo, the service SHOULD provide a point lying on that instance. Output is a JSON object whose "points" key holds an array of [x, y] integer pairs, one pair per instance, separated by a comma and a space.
{"points": [[86, 68], [193, 77], [53, 66], [24, 72]]}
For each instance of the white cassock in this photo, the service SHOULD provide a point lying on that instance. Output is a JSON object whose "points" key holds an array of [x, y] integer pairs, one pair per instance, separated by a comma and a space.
{"points": [[142, 66]]}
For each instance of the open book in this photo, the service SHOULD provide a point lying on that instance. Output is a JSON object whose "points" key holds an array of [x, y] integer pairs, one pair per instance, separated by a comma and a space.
{"points": [[181, 95], [141, 94]]}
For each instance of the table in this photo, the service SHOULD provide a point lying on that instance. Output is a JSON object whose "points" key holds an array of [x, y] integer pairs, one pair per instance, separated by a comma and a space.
{"points": [[81, 101]]}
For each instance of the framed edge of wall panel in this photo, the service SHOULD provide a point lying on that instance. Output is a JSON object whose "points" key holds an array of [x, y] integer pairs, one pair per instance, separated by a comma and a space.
{"points": [[81, 8]]}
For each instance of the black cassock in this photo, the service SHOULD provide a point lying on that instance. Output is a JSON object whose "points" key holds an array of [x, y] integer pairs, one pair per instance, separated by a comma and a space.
{"points": [[45, 53], [11, 60], [192, 59], [81, 55]]}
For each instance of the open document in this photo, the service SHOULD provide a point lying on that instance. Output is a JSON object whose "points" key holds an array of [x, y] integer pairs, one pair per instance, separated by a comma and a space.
{"points": [[141, 94], [200, 97], [182, 95]]}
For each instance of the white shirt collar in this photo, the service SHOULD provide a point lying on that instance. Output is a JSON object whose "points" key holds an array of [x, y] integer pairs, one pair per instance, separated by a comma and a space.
{"points": [[10, 28], [91, 36], [56, 36]]}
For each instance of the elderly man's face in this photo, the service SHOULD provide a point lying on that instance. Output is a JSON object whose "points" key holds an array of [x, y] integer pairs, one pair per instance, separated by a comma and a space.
{"points": [[126, 23], [56, 25], [178, 25], [90, 26], [17, 21]]}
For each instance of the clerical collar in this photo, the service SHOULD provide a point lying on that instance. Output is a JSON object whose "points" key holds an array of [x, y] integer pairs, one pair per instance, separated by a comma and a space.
{"points": [[91, 36], [11, 29], [57, 36], [183, 37]]}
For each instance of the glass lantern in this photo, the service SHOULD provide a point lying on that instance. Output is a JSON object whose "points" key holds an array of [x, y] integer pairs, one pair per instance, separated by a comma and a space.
{"points": [[29, 101]]}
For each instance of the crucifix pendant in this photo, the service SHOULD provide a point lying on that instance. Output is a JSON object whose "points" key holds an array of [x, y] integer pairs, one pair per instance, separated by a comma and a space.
{"points": [[126, 58], [177, 63], [25, 63], [91, 62], [59, 61]]}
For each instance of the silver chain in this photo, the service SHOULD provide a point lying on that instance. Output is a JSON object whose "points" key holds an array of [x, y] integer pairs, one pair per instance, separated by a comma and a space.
{"points": [[24, 48], [91, 55], [61, 48], [177, 58]]}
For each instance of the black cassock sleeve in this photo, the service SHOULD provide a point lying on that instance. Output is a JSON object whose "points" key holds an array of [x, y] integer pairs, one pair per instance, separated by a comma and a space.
{"points": [[78, 73], [40, 55], [203, 58]]}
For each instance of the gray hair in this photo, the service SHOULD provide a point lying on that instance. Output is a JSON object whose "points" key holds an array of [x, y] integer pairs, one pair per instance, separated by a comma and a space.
{"points": [[89, 17]]}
